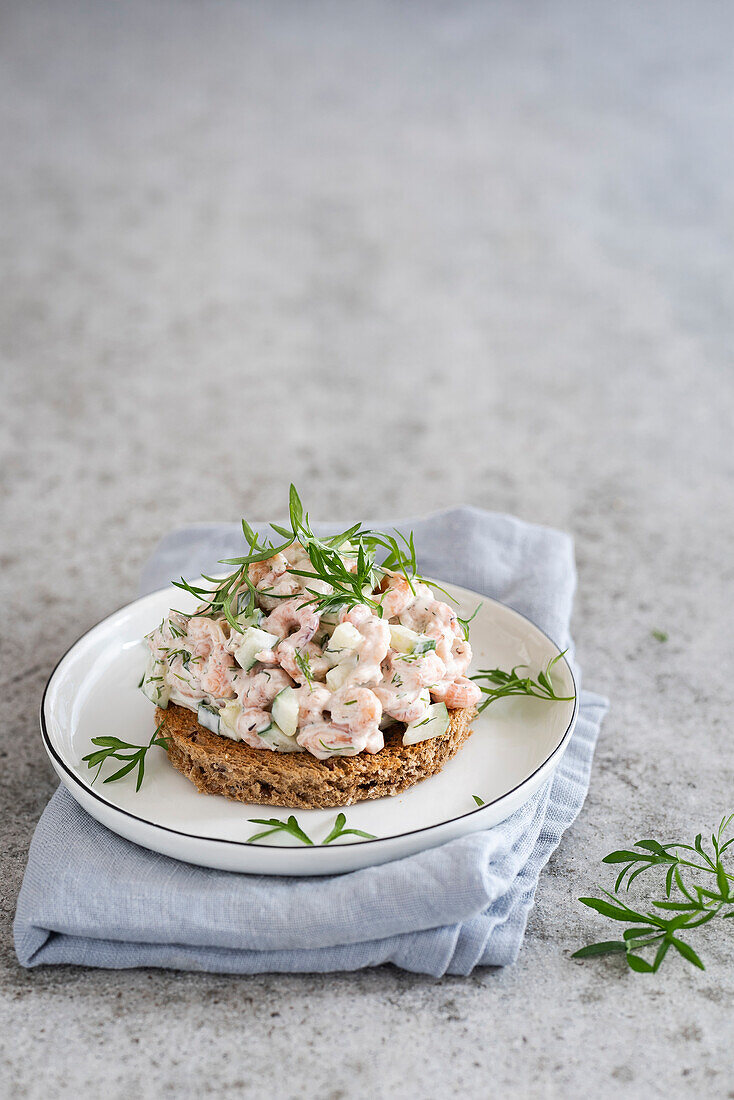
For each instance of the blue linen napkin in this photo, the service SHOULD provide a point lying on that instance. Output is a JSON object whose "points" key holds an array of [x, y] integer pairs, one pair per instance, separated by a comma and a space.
{"points": [[92, 898]]}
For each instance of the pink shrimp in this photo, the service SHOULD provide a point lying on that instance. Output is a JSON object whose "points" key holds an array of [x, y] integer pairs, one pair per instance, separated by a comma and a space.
{"points": [[356, 709], [258, 689], [206, 641], [431, 617], [324, 739], [292, 652], [413, 673], [311, 703], [397, 595], [293, 615], [217, 676], [373, 648], [456, 693], [165, 636], [264, 573], [403, 706], [184, 683], [203, 635], [250, 723], [458, 657], [273, 581]]}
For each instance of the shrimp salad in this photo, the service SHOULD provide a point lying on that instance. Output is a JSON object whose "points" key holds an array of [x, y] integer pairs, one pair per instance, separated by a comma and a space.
{"points": [[312, 647]]}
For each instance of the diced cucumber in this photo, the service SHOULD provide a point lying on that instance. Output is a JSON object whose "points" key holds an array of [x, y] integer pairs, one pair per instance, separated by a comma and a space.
{"points": [[208, 717], [345, 639], [153, 685], [403, 638], [433, 724], [285, 711], [253, 642], [228, 723], [336, 676], [409, 642], [277, 740], [253, 617]]}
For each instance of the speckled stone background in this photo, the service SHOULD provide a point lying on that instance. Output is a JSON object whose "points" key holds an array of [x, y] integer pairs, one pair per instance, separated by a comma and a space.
{"points": [[408, 255]]}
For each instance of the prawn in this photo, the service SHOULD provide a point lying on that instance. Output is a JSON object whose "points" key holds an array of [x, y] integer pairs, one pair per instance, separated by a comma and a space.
{"points": [[203, 635], [414, 673], [206, 640], [432, 617], [324, 739], [356, 709], [373, 648], [456, 693], [184, 684], [294, 650], [249, 724], [258, 689], [292, 615], [273, 581], [457, 657], [403, 706], [397, 594], [267, 572], [311, 703], [217, 676]]}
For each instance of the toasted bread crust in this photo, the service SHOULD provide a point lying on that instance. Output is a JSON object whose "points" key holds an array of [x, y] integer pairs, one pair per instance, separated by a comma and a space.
{"points": [[217, 765]]}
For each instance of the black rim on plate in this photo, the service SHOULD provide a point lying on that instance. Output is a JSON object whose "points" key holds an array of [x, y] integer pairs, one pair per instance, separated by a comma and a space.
{"points": [[292, 847]]}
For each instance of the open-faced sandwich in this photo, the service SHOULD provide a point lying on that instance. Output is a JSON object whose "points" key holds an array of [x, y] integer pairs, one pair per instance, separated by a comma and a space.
{"points": [[320, 672]]}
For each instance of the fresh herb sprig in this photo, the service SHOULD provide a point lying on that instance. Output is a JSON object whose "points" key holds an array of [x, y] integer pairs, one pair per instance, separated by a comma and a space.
{"points": [[275, 825], [691, 900], [303, 663], [464, 623], [348, 583], [112, 748], [339, 830], [500, 684], [224, 597]]}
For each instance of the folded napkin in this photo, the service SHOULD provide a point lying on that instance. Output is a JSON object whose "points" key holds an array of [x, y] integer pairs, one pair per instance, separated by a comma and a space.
{"points": [[93, 898]]}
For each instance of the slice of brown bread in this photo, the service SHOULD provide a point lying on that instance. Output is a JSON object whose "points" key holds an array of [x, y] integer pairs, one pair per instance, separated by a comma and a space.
{"points": [[217, 765]]}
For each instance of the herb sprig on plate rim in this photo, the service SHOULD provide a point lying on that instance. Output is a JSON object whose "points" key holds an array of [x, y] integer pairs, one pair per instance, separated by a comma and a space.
{"points": [[495, 683], [275, 825], [112, 748]]}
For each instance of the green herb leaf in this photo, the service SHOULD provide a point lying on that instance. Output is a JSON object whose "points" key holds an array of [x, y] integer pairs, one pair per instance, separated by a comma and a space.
{"points": [[276, 825], [604, 947], [635, 962], [112, 748], [687, 903], [497, 683], [291, 826], [339, 830]]}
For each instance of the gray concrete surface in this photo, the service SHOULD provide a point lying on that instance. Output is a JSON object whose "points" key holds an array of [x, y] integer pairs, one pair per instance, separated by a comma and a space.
{"points": [[408, 255]]}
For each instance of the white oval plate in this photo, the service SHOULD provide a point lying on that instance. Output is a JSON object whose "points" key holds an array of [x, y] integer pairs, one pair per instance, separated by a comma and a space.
{"points": [[517, 743]]}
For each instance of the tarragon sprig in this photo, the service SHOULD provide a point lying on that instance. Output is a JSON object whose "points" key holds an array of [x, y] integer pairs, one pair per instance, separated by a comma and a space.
{"points": [[691, 903], [499, 684], [350, 582], [303, 663], [275, 825], [339, 830], [112, 748]]}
